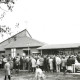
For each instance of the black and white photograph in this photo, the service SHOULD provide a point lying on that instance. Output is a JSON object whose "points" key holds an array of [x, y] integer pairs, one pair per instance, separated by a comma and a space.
{"points": [[39, 39]]}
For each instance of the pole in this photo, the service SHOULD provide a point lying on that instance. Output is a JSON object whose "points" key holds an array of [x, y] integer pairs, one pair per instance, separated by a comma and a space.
{"points": [[28, 49], [41, 51]]}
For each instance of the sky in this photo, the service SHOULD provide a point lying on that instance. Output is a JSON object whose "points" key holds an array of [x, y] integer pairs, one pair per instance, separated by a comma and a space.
{"points": [[49, 21]]}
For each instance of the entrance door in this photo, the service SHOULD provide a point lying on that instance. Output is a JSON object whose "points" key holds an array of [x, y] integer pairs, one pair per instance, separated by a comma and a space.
{"points": [[26, 52]]}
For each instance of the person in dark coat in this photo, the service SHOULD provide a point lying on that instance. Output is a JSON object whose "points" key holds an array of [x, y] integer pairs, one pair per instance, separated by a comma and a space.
{"points": [[21, 63], [78, 58], [54, 64], [69, 64], [46, 64]]}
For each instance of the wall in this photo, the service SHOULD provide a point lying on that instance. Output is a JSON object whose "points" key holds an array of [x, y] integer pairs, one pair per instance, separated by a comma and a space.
{"points": [[20, 51], [34, 50], [8, 51], [59, 51]]}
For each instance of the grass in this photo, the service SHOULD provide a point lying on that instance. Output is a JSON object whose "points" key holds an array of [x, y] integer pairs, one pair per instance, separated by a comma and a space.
{"points": [[49, 76]]}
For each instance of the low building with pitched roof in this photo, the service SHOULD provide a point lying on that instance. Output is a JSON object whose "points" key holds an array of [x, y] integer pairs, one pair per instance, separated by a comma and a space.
{"points": [[21, 42], [67, 49]]}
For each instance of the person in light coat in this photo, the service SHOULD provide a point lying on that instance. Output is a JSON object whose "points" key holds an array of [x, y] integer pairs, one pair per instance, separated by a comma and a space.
{"points": [[7, 70], [51, 64], [58, 62], [33, 61], [39, 75]]}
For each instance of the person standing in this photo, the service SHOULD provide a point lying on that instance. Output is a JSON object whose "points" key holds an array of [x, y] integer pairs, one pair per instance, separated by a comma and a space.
{"points": [[7, 70], [24, 62], [63, 64], [33, 61], [41, 62], [0, 63], [69, 65], [58, 62], [10, 60], [29, 65], [17, 63], [54, 63], [51, 64]]}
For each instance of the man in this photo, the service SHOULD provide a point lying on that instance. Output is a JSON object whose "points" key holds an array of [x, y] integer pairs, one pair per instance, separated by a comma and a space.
{"points": [[69, 64], [41, 62], [7, 70], [63, 63], [33, 61], [17, 63], [58, 62], [51, 64]]}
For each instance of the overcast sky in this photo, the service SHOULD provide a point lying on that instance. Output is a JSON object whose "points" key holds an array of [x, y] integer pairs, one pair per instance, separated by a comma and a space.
{"points": [[49, 21]]}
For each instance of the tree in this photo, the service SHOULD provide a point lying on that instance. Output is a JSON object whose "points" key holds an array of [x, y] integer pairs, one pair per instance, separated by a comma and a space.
{"points": [[3, 28], [9, 4]]}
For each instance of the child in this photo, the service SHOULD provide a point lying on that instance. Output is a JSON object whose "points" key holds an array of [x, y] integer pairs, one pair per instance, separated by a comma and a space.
{"points": [[39, 75]]}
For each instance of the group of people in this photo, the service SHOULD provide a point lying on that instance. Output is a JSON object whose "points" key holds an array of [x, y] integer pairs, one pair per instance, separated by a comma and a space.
{"points": [[47, 63]]}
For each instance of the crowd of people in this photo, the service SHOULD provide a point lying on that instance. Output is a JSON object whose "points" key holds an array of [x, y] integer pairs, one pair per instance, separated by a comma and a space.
{"points": [[48, 63]]}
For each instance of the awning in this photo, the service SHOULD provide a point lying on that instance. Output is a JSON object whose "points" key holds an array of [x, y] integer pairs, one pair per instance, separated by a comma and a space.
{"points": [[26, 49], [35, 52]]}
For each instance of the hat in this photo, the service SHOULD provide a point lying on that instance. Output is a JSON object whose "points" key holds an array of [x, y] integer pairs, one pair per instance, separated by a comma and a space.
{"points": [[5, 59]]}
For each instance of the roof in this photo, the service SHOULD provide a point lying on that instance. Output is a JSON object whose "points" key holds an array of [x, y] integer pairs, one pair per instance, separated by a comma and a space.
{"points": [[60, 46], [25, 30], [12, 36], [24, 42], [1, 48]]}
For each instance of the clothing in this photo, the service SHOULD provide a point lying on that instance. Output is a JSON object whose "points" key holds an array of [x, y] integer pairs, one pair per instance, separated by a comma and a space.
{"points": [[58, 62], [54, 64], [46, 64], [69, 68], [51, 64], [33, 61], [38, 62], [7, 68], [63, 62], [39, 74], [41, 61], [69, 65]]}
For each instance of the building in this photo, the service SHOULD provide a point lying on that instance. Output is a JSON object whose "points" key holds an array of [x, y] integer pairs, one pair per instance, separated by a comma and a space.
{"points": [[67, 49], [21, 42]]}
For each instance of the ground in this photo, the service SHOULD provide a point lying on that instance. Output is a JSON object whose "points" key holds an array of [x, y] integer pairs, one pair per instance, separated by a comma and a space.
{"points": [[49, 76]]}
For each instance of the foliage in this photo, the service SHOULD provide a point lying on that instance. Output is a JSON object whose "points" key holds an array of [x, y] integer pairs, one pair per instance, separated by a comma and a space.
{"points": [[3, 28], [9, 4]]}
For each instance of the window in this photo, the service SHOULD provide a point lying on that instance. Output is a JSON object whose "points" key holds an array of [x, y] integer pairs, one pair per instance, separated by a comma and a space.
{"points": [[13, 52]]}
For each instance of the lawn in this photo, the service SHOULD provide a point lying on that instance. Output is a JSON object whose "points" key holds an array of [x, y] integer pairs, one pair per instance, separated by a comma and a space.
{"points": [[49, 76]]}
